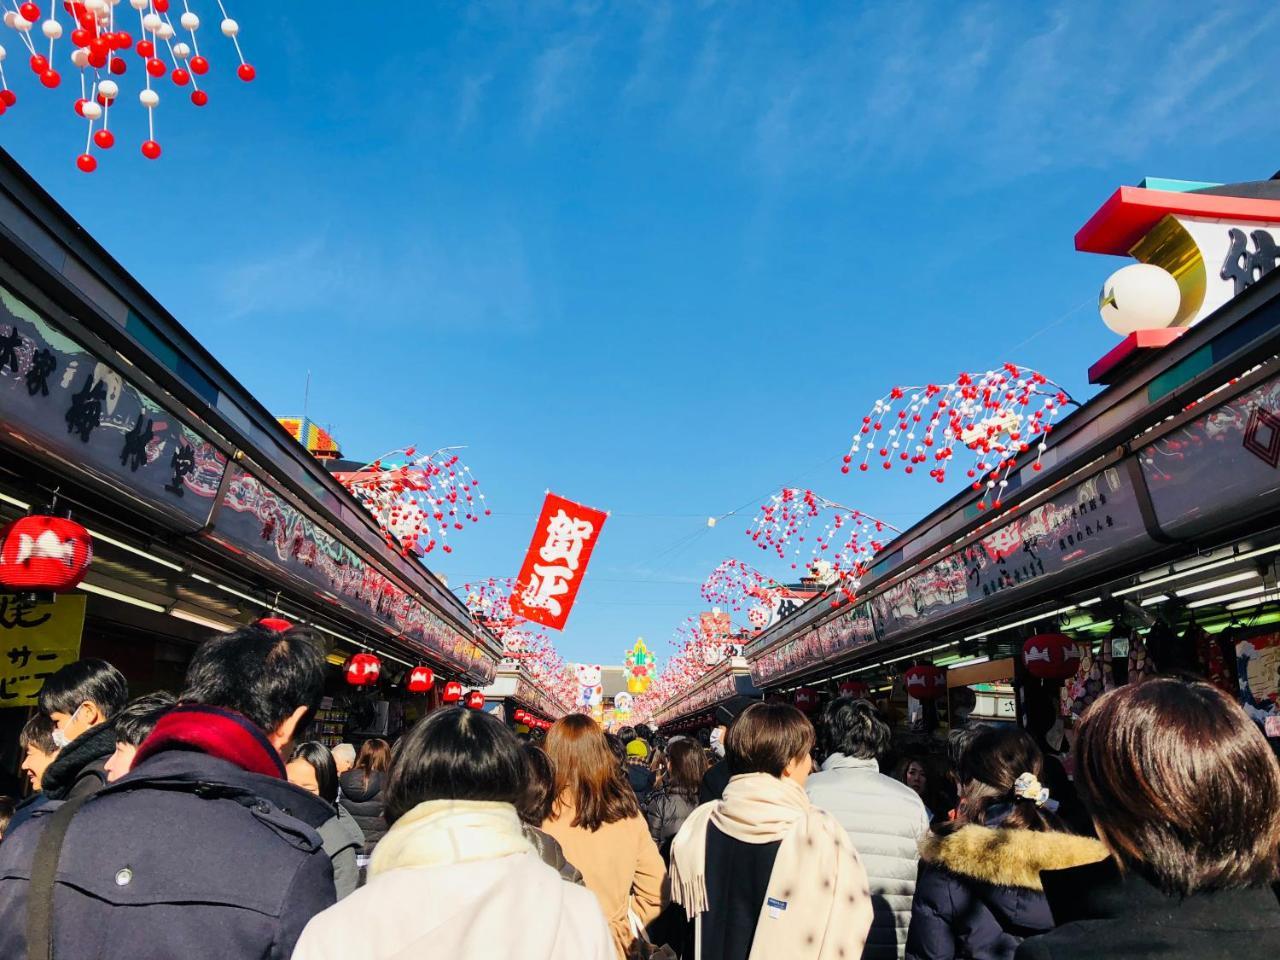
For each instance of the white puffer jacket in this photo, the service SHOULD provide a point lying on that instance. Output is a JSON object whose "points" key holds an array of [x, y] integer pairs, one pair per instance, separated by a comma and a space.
{"points": [[885, 820]]}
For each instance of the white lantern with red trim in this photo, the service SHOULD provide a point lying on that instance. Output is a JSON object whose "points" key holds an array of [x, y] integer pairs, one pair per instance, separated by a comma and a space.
{"points": [[363, 670], [1052, 656], [925, 682]]}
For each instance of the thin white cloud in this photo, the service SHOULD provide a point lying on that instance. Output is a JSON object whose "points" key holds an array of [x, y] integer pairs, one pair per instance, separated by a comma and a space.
{"points": [[556, 75]]}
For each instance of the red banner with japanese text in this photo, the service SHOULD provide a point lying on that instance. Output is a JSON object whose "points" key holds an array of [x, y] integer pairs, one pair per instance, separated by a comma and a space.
{"points": [[557, 561]]}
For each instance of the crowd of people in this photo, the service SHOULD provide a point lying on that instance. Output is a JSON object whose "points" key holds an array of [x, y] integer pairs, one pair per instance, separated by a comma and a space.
{"points": [[207, 824]]}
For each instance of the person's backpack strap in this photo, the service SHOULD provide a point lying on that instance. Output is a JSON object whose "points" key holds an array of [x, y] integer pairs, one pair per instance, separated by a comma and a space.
{"points": [[44, 872]]}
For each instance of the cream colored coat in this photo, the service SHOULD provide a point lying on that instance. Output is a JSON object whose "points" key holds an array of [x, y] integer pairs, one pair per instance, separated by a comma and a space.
{"points": [[620, 864], [463, 883]]}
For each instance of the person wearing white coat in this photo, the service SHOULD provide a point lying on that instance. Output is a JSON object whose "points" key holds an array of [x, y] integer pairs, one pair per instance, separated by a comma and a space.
{"points": [[885, 819], [455, 875]]}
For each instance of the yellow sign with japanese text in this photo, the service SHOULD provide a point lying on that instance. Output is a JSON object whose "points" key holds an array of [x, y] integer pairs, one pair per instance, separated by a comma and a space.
{"points": [[35, 640]]}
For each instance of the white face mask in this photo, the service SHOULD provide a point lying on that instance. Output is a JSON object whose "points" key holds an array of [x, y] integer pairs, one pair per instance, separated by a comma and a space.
{"points": [[717, 745], [60, 739]]}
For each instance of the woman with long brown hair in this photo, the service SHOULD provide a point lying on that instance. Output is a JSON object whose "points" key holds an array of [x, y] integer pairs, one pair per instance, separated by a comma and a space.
{"points": [[361, 794], [596, 820], [978, 892]]}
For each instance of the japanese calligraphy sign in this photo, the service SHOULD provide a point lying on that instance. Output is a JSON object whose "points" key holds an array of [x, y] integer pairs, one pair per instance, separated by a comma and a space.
{"points": [[35, 640], [76, 407], [557, 560]]}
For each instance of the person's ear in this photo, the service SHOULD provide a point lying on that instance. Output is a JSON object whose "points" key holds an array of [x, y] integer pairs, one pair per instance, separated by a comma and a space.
{"points": [[95, 714], [283, 734]]}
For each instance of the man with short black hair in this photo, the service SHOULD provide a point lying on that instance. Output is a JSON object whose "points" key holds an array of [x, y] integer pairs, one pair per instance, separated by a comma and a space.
{"points": [[81, 699], [885, 819], [204, 850], [717, 776], [133, 725]]}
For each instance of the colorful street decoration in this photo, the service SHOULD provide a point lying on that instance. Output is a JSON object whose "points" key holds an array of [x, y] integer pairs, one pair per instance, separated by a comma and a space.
{"points": [[841, 541], [735, 584], [641, 666], [101, 45], [557, 560], [418, 500], [998, 415]]}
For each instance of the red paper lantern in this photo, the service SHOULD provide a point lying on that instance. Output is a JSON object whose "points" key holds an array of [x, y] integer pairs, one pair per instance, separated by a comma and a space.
{"points": [[475, 700], [858, 689], [926, 682], [806, 699], [363, 670], [41, 554], [274, 624], [1052, 656], [421, 679], [452, 692]]}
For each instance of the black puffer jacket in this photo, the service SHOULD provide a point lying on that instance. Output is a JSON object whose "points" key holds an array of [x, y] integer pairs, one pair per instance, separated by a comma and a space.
{"points": [[363, 800], [666, 813], [978, 890]]}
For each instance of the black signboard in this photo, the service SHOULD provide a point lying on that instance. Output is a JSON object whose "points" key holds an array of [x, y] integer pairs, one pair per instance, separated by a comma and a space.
{"points": [[268, 530], [1219, 469], [1094, 519], [835, 637], [70, 405]]}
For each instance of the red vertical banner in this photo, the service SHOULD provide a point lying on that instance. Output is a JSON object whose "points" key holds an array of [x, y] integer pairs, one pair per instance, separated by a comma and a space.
{"points": [[557, 561]]}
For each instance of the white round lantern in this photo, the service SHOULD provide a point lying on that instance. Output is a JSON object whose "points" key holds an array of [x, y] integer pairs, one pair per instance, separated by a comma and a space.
{"points": [[1140, 296]]}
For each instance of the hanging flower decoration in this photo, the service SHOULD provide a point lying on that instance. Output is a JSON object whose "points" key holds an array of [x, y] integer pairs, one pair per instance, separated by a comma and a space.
{"points": [[998, 415], [418, 500], [841, 541], [736, 585], [100, 45]]}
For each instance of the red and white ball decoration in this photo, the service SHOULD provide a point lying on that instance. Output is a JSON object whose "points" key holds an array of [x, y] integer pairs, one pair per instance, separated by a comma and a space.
{"points": [[925, 682], [363, 670], [998, 415], [475, 700], [418, 500], [1052, 656], [101, 44], [44, 554], [735, 585], [452, 692], [845, 538]]}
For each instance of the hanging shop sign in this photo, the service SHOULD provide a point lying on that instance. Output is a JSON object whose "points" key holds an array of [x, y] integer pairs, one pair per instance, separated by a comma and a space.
{"points": [[1232, 450], [835, 637], [69, 405], [36, 639], [265, 529], [1095, 520], [557, 560]]}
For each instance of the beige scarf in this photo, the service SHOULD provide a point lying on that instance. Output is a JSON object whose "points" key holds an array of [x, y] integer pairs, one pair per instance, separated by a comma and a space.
{"points": [[441, 832], [817, 905]]}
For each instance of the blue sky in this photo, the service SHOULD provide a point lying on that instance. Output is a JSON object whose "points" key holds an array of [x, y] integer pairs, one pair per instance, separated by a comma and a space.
{"points": [[657, 257]]}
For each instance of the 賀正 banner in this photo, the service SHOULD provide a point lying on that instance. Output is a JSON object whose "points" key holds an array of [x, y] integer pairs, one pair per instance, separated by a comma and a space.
{"points": [[557, 560]]}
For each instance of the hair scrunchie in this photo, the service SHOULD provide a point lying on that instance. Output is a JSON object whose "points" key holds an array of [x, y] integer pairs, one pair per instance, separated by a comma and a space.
{"points": [[1027, 787]]}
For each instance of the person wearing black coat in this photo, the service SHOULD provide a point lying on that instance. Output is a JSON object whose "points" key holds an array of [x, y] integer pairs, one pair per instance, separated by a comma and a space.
{"points": [[203, 851], [362, 798], [978, 889], [1185, 793]]}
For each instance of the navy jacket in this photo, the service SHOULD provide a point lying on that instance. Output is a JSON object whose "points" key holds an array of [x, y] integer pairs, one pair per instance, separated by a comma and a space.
{"points": [[978, 890], [1101, 913], [188, 856]]}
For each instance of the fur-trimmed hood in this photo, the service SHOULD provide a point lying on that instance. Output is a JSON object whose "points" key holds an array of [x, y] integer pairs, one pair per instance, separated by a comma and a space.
{"points": [[1006, 857]]}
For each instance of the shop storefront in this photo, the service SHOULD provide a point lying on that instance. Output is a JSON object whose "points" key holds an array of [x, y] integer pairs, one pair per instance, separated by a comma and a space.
{"points": [[1146, 533], [205, 513]]}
